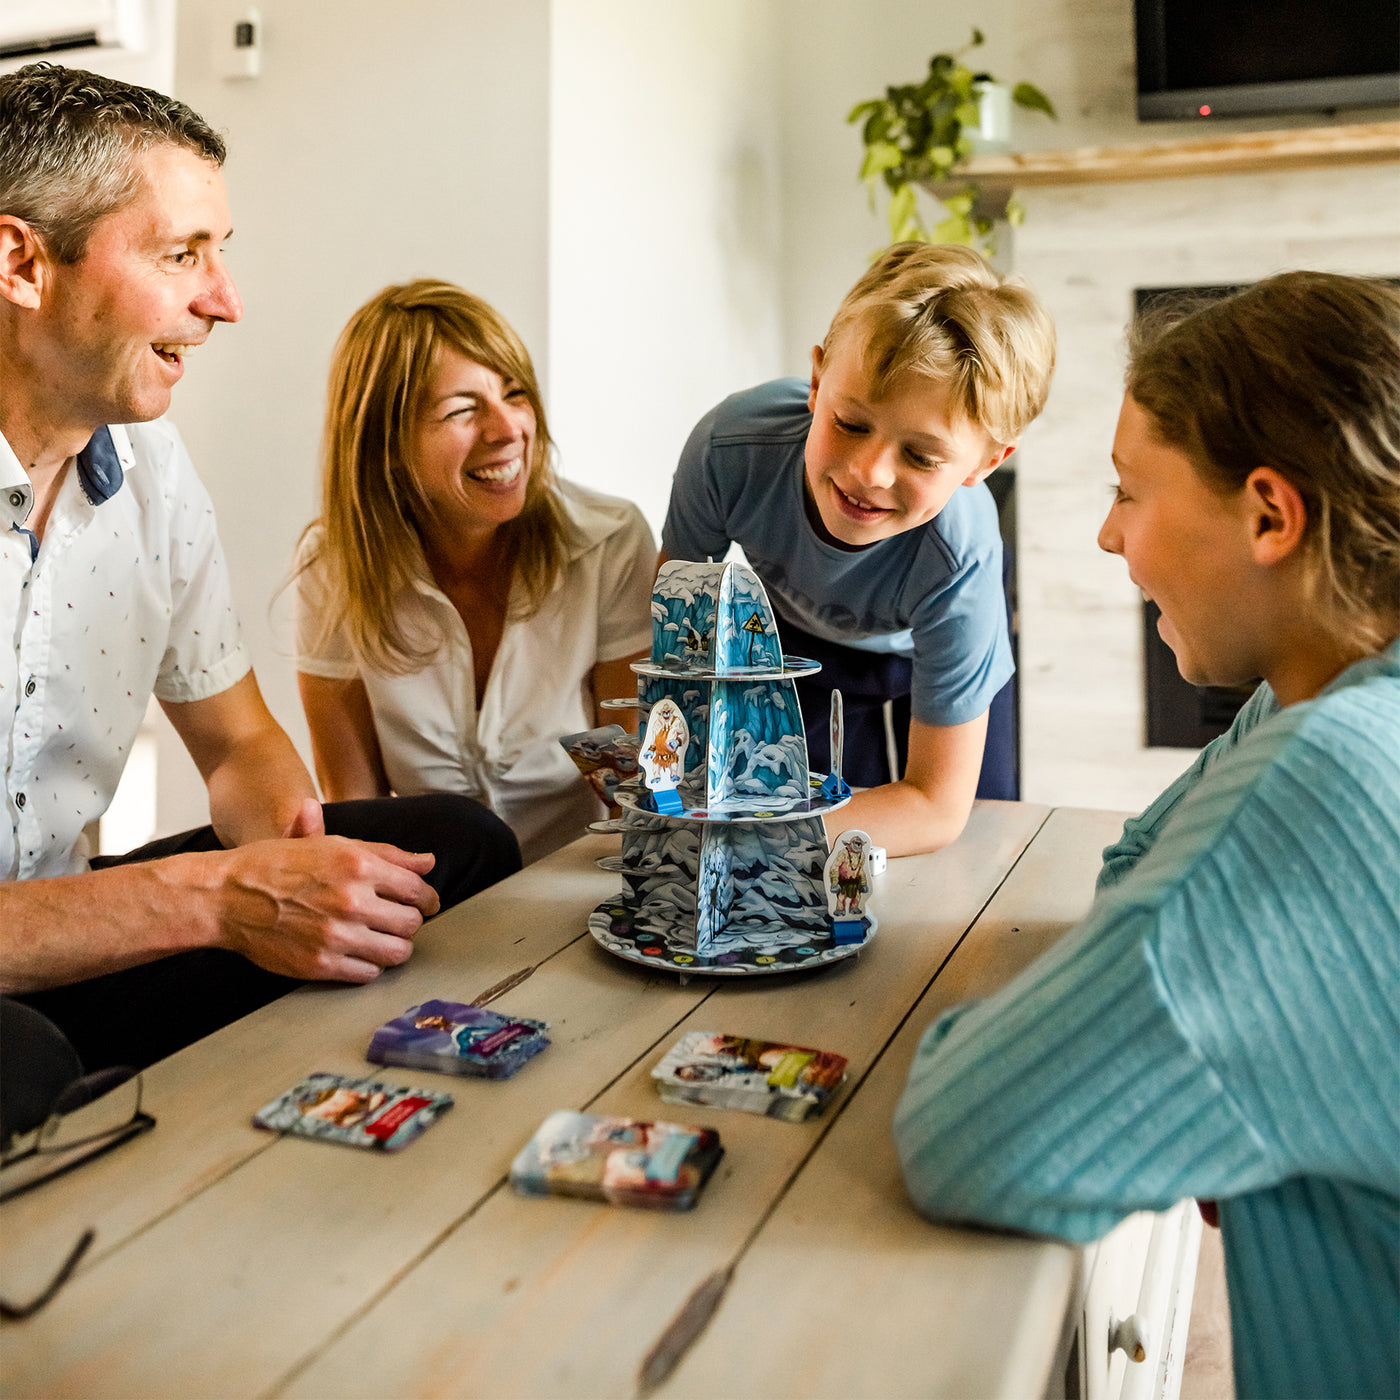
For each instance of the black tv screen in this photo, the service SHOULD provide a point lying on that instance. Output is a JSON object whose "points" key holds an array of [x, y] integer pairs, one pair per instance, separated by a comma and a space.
{"points": [[1212, 58]]}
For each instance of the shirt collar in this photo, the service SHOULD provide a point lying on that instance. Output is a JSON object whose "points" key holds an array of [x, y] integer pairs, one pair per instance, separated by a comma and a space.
{"points": [[100, 473], [100, 467], [16, 494]]}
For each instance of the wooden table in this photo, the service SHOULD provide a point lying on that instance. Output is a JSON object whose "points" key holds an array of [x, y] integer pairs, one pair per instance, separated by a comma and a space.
{"points": [[230, 1262]]}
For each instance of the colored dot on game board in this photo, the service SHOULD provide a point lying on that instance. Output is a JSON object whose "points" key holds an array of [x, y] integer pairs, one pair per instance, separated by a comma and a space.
{"points": [[728, 958], [807, 952], [682, 958], [765, 959], [652, 952]]}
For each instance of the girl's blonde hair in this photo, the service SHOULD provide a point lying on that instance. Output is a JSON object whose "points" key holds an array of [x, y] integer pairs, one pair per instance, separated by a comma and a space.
{"points": [[367, 542], [940, 311], [1301, 373]]}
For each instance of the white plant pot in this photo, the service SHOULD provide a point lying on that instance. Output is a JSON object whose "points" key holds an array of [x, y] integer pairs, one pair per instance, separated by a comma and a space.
{"points": [[993, 134]]}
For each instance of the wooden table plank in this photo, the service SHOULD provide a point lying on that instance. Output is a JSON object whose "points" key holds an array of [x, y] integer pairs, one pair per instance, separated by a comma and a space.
{"points": [[554, 1297], [919, 1297]]}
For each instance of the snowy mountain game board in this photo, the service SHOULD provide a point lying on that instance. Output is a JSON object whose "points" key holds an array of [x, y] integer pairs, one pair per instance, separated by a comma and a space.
{"points": [[724, 853]]}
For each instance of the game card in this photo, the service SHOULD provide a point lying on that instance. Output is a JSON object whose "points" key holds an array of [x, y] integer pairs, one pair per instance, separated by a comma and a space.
{"points": [[606, 756], [758, 1076], [357, 1112], [661, 1166], [453, 1037]]}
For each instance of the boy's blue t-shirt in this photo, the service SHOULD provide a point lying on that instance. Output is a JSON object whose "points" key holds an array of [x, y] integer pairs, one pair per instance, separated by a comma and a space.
{"points": [[933, 593]]}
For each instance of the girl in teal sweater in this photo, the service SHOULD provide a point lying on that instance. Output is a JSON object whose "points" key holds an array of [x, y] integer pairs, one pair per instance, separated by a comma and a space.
{"points": [[1224, 1022]]}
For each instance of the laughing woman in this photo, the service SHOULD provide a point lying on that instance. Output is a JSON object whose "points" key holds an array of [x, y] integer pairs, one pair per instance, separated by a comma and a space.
{"points": [[459, 607], [1223, 1024]]}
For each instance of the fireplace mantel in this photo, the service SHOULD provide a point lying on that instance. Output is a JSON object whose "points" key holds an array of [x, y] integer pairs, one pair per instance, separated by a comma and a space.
{"points": [[1302, 148]]}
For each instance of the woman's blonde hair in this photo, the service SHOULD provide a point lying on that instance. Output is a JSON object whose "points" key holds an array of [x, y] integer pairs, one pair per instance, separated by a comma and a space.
{"points": [[940, 311], [1301, 373], [367, 542]]}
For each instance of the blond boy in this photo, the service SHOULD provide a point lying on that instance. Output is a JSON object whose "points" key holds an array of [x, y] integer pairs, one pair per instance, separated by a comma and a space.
{"points": [[859, 501]]}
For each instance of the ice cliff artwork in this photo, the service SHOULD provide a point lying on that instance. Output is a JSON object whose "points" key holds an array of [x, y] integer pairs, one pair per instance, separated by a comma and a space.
{"points": [[732, 877]]}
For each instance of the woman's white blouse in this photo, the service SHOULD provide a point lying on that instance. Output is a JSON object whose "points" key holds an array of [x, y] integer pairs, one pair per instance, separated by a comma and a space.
{"points": [[505, 752]]}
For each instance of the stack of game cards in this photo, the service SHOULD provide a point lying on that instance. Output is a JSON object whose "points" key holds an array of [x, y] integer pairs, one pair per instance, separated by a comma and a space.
{"points": [[624, 1161], [453, 1037], [758, 1076], [356, 1112]]}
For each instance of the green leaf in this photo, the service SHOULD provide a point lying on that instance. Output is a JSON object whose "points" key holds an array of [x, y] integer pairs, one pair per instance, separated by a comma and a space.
{"points": [[1015, 212], [953, 230], [1028, 95], [903, 206], [968, 113], [861, 108], [941, 158], [977, 38], [877, 125], [881, 156]]}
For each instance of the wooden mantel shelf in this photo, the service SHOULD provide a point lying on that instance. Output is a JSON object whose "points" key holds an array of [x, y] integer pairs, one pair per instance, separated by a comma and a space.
{"points": [[1303, 148]]}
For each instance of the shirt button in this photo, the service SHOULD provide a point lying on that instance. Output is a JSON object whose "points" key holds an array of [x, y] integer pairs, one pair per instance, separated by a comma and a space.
{"points": [[17, 499], [19, 799], [30, 687]]}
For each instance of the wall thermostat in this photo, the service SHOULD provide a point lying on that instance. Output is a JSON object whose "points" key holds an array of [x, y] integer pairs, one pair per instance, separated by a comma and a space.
{"points": [[238, 43]]}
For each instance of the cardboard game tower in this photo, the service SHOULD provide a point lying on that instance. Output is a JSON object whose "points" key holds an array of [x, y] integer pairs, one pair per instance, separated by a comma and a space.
{"points": [[727, 874]]}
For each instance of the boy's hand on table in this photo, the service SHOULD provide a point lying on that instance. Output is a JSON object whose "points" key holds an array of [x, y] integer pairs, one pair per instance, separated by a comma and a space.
{"points": [[928, 808]]}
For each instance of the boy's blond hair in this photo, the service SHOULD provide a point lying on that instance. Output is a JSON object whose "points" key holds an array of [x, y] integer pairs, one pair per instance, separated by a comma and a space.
{"points": [[939, 310]]}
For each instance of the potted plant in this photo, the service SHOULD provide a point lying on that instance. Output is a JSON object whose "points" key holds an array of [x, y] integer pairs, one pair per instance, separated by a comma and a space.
{"points": [[921, 133]]}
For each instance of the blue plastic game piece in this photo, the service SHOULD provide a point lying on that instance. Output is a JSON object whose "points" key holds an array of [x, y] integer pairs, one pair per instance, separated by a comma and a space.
{"points": [[834, 787], [848, 930], [667, 800]]}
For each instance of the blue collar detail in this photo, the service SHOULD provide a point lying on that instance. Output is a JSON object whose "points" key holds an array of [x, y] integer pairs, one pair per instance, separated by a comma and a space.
{"points": [[31, 537], [99, 468]]}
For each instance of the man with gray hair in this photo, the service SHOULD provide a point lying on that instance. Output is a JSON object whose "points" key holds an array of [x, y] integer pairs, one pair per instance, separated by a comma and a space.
{"points": [[113, 587]]}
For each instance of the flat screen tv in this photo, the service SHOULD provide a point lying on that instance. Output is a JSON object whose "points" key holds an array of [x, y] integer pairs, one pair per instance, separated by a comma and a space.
{"points": [[1216, 58]]}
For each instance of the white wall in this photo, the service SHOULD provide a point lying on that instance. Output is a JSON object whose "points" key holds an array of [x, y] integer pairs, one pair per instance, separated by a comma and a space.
{"points": [[379, 144], [665, 218]]}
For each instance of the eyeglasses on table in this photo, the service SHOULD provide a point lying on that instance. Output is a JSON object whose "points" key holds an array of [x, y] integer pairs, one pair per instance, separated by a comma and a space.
{"points": [[93, 1116]]}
